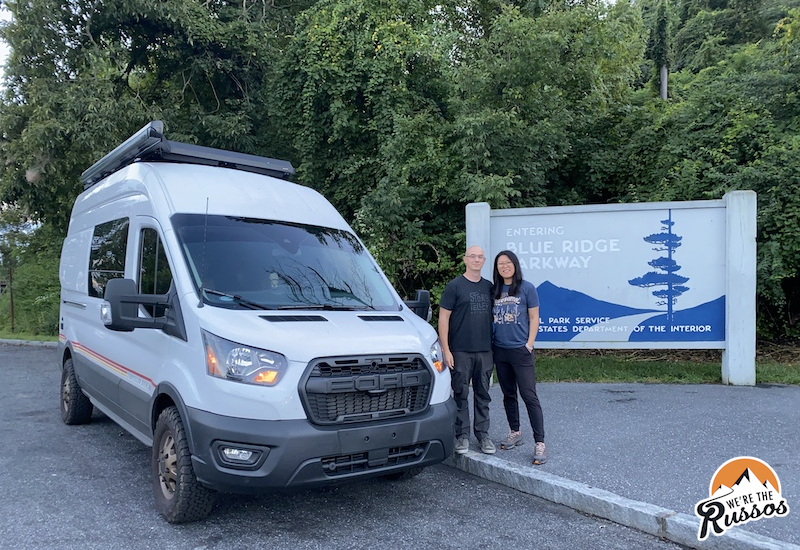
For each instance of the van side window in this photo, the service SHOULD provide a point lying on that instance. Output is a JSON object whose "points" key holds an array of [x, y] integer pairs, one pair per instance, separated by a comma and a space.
{"points": [[155, 276], [107, 258]]}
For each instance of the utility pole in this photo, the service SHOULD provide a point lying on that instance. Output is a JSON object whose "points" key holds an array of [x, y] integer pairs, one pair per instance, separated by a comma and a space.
{"points": [[11, 296], [658, 46]]}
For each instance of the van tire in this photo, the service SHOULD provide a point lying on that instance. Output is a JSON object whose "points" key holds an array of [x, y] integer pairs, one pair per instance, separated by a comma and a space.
{"points": [[179, 497], [75, 406], [402, 476]]}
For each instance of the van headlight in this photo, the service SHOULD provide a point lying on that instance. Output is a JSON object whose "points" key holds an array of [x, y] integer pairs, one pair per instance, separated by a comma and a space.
{"points": [[437, 356], [240, 363]]}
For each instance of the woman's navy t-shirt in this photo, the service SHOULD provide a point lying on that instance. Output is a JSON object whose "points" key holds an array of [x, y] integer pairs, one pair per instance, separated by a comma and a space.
{"points": [[510, 316]]}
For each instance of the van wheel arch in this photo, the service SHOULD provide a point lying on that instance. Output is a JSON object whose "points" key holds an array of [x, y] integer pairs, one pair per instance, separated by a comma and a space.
{"points": [[167, 396]]}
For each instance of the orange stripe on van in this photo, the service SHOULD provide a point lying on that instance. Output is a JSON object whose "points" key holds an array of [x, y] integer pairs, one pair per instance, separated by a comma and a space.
{"points": [[103, 361]]}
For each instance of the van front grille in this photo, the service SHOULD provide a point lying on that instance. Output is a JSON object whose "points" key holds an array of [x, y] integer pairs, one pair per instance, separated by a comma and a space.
{"points": [[343, 390]]}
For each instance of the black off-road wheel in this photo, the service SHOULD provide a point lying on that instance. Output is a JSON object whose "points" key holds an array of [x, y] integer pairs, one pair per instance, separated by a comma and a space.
{"points": [[402, 476], [75, 407], [179, 497]]}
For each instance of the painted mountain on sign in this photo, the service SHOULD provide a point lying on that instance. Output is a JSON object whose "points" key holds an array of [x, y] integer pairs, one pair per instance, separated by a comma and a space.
{"points": [[562, 303], [564, 313], [704, 323]]}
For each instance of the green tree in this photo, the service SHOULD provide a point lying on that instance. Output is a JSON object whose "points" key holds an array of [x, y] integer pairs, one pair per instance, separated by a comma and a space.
{"points": [[709, 29], [403, 112], [363, 97], [730, 126], [82, 76], [528, 99]]}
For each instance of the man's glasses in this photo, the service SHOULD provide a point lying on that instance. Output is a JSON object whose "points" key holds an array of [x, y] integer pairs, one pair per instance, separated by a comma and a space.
{"points": [[475, 257]]}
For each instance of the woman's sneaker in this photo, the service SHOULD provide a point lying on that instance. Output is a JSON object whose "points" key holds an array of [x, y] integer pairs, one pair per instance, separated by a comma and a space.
{"points": [[539, 454], [513, 439]]}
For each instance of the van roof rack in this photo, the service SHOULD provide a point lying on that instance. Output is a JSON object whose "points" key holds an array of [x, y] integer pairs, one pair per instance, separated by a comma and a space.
{"points": [[149, 144]]}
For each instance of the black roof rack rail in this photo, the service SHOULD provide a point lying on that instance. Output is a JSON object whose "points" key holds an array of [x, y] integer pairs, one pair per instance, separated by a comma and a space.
{"points": [[149, 144]]}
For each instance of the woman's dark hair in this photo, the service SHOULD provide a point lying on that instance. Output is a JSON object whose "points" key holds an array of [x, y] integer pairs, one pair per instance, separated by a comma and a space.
{"points": [[516, 281]]}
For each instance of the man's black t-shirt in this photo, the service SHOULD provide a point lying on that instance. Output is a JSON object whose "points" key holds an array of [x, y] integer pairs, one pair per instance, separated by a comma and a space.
{"points": [[471, 317]]}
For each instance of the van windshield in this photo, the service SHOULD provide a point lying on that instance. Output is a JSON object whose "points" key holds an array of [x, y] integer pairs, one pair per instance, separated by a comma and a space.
{"points": [[248, 263]]}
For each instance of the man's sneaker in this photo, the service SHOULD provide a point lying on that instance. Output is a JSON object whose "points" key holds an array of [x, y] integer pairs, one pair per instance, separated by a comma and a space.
{"points": [[487, 446], [539, 454], [462, 445], [513, 439]]}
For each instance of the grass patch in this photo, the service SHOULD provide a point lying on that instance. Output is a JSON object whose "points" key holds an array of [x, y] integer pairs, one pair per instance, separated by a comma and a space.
{"points": [[660, 366], [8, 335], [777, 373], [611, 369]]}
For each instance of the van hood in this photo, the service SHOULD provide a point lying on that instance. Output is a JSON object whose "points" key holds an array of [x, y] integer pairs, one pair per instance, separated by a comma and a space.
{"points": [[305, 335]]}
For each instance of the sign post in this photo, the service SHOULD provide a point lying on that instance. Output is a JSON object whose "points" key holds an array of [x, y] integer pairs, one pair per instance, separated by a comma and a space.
{"points": [[738, 357]]}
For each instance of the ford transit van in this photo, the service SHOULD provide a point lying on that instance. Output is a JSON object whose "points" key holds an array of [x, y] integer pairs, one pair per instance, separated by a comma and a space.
{"points": [[233, 321]]}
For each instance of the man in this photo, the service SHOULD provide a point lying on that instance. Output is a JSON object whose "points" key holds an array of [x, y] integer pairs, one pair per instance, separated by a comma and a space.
{"points": [[465, 332]]}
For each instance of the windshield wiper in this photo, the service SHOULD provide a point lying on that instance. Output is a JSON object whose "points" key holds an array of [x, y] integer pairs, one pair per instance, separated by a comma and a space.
{"points": [[236, 298]]}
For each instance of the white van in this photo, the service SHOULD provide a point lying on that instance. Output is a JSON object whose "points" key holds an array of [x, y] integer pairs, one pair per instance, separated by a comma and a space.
{"points": [[234, 322]]}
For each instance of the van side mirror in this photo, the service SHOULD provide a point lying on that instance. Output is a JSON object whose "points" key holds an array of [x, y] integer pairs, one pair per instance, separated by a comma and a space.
{"points": [[120, 311], [421, 305]]}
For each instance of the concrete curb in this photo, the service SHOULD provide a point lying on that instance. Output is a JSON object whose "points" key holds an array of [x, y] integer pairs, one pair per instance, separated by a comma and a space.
{"points": [[661, 522]]}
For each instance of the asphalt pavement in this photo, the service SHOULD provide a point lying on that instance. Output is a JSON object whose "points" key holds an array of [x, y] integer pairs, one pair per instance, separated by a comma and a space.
{"points": [[643, 455], [88, 487]]}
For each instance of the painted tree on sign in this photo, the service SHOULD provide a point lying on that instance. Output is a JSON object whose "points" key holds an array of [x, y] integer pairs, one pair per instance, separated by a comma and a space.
{"points": [[666, 275]]}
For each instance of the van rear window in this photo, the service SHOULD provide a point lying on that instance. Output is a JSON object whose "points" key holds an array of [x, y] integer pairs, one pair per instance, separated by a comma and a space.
{"points": [[107, 257], [263, 264]]}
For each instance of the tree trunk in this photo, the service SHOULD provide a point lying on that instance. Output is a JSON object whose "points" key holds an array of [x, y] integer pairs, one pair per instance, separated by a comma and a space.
{"points": [[664, 76]]}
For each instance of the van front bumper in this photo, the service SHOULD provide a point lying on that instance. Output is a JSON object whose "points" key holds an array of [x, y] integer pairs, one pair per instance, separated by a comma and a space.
{"points": [[296, 453]]}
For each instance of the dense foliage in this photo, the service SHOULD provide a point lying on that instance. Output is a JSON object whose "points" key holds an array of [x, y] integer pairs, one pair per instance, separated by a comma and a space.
{"points": [[403, 112]]}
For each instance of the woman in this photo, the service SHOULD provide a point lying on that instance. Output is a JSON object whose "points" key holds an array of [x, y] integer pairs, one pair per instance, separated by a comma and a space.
{"points": [[516, 322]]}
